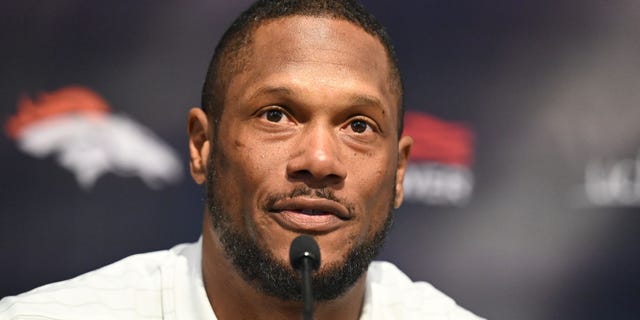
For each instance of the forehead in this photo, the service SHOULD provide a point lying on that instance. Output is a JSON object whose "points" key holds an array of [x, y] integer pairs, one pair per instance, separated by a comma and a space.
{"points": [[320, 48], [295, 34]]}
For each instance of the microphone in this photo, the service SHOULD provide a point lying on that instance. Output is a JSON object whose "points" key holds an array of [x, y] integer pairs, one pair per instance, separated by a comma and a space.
{"points": [[304, 255]]}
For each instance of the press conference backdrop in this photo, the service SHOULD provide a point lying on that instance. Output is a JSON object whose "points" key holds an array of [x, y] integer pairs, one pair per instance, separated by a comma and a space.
{"points": [[523, 195]]}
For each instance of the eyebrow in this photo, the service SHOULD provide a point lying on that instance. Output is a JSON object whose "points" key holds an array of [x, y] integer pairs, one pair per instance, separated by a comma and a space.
{"points": [[354, 99], [268, 90], [364, 100]]}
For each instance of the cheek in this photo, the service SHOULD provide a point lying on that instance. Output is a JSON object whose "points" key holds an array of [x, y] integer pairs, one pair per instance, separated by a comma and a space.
{"points": [[247, 171], [258, 171], [373, 183], [380, 188], [250, 164], [373, 174]]}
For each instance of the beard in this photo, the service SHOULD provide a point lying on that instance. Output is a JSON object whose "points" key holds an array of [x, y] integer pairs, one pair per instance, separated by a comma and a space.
{"points": [[259, 267]]}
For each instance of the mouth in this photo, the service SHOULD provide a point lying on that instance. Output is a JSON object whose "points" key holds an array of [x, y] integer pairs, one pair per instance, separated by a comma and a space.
{"points": [[309, 215]]}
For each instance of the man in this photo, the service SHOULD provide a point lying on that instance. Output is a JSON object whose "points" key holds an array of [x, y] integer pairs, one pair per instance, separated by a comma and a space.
{"points": [[299, 133]]}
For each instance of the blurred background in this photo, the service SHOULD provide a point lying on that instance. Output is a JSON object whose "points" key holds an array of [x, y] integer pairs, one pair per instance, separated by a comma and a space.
{"points": [[523, 199]]}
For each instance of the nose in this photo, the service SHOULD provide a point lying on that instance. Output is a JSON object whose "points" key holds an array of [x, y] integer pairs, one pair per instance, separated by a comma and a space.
{"points": [[316, 159]]}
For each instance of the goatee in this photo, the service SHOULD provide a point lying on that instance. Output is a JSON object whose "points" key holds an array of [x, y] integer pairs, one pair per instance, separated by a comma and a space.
{"points": [[258, 266]]}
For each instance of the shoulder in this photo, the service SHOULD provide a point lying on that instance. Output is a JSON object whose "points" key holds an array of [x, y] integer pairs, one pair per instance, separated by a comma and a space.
{"points": [[391, 294], [127, 289]]}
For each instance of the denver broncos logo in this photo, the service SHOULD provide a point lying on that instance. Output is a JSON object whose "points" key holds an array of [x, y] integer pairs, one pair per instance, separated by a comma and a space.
{"points": [[438, 141], [439, 170], [76, 126]]}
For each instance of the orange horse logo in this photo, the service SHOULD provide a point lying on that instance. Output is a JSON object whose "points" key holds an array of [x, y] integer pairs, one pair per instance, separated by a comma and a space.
{"points": [[76, 126]]}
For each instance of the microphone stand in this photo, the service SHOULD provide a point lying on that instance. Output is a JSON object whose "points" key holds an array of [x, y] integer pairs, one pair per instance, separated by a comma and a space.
{"points": [[307, 289], [304, 255]]}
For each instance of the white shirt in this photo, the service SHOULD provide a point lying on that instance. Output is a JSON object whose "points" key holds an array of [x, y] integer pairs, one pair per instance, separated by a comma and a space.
{"points": [[168, 285]]}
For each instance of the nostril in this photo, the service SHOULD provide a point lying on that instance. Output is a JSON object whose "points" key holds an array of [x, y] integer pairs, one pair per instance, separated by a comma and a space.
{"points": [[315, 181], [301, 174]]}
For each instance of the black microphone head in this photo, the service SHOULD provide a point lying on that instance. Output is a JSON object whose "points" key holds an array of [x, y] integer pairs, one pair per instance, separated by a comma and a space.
{"points": [[303, 247]]}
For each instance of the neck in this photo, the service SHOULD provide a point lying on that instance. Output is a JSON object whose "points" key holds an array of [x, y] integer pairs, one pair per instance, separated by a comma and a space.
{"points": [[231, 297]]}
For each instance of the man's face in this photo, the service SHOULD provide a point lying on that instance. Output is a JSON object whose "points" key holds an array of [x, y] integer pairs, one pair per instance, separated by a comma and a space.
{"points": [[307, 141]]}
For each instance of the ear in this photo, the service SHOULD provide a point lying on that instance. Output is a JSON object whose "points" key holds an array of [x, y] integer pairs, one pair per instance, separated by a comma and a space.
{"points": [[199, 144], [404, 149]]}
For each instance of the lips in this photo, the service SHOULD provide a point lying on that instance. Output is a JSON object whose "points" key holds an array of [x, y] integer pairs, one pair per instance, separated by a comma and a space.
{"points": [[309, 215]]}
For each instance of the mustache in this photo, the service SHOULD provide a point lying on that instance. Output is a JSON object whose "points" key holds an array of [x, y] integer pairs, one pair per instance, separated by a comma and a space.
{"points": [[305, 191]]}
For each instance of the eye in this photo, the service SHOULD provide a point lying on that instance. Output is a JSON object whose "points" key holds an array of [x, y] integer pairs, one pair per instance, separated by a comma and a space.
{"points": [[359, 126], [273, 115]]}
